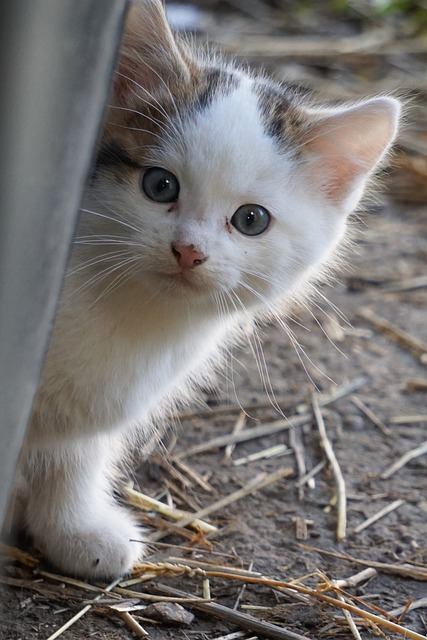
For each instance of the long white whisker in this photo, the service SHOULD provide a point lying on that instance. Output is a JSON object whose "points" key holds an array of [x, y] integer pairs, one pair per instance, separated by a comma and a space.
{"points": [[105, 257], [119, 280], [98, 277], [103, 215], [319, 324], [259, 356], [297, 346]]}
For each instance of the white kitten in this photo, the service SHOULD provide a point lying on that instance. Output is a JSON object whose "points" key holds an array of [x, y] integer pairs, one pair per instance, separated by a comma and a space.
{"points": [[217, 195]]}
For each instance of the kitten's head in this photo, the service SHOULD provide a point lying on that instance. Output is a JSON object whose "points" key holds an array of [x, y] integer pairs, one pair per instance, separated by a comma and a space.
{"points": [[222, 184]]}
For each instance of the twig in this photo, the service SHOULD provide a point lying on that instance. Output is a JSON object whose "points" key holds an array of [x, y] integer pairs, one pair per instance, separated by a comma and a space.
{"points": [[314, 471], [371, 415], [416, 384], [149, 597], [341, 491], [351, 623], [297, 444], [73, 582], [407, 457], [131, 623], [270, 452], [265, 629], [193, 475], [209, 566], [238, 427], [407, 284], [236, 635], [272, 427], [416, 604], [248, 434], [405, 570], [259, 482], [409, 419], [241, 591], [82, 612], [380, 514], [415, 345], [356, 579]]}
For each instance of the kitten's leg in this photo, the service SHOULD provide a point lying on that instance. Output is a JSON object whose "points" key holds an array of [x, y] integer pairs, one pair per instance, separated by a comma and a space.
{"points": [[72, 515]]}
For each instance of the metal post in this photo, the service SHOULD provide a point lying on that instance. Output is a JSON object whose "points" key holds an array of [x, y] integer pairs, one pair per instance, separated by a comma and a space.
{"points": [[56, 60]]}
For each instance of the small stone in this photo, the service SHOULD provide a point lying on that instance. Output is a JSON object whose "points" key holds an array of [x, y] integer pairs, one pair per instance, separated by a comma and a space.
{"points": [[169, 613]]}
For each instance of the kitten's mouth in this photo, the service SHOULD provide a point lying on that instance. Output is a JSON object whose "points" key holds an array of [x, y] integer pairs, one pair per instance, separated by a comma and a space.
{"points": [[186, 281]]}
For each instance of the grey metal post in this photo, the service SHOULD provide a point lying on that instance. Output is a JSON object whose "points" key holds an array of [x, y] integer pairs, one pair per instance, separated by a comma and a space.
{"points": [[56, 60]]}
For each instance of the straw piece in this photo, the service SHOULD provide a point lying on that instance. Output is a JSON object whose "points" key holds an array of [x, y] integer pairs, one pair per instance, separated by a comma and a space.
{"points": [[259, 482], [13, 553], [270, 452], [82, 612], [371, 415], [407, 457], [238, 427], [380, 514], [404, 569], [142, 501], [356, 579], [416, 604], [314, 471], [352, 625], [341, 490], [131, 623], [271, 428], [415, 345]]}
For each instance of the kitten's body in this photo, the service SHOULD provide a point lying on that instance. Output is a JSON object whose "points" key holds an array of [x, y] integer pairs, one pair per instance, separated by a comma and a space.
{"points": [[156, 289]]}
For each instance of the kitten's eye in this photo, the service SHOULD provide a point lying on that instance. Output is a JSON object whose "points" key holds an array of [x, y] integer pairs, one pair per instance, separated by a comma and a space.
{"points": [[251, 219], [160, 185]]}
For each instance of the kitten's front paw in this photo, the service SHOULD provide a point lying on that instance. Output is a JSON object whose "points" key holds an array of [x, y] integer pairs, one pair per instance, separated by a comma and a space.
{"points": [[98, 550]]}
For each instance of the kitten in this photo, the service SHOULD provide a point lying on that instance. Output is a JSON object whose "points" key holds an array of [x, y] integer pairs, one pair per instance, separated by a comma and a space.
{"points": [[216, 197]]}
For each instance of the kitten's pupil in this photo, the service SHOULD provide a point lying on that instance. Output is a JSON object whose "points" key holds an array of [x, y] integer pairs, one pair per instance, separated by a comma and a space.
{"points": [[160, 185], [251, 219]]}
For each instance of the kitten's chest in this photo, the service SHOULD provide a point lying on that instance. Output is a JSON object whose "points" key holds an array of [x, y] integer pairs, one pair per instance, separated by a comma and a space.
{"points": [[135, 377]]}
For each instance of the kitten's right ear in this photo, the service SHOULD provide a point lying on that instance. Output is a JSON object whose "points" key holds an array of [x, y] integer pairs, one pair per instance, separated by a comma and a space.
{"points": [[150, 56], [345, 145]]}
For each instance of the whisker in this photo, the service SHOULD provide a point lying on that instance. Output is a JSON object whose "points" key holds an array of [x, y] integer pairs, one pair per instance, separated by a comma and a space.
{"points": [[106, 257], [319, 324], [118, 220], [98, 277], [119, 280]]}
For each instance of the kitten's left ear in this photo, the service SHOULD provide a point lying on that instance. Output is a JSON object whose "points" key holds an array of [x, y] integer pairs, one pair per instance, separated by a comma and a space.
{"points": [[344, 146], [151, 57]]}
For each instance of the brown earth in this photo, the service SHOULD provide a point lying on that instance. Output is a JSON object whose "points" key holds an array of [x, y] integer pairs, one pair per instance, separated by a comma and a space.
{"points": [[262, 530]]}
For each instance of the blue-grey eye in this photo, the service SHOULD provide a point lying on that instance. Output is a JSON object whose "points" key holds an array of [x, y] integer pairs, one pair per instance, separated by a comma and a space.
{"points": [[160, 185], [251, 219]]}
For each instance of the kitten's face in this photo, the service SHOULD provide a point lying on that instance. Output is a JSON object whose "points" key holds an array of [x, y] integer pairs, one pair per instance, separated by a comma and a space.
{"points": [[221, 185], [230, 192]]}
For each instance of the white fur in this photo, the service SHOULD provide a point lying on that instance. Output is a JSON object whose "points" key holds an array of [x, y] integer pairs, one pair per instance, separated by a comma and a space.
{"points": [[128, 346]]}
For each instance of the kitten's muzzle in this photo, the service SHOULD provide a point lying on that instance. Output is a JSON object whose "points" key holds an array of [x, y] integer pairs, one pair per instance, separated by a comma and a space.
{"points": [[187, 256]]}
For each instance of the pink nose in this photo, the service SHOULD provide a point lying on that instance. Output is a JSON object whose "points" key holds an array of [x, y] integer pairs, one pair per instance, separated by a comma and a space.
{"points": [[187, 256]]}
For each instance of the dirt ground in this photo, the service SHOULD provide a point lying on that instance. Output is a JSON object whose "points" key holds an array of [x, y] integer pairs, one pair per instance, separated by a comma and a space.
{"points": [[278, 530]]}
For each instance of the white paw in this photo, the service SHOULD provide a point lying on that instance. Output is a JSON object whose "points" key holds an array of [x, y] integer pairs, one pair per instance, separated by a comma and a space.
{"points": [[98, 550]]}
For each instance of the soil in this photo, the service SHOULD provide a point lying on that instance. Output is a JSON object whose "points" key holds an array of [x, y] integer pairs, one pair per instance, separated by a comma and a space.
{"points": [[265, 530]]}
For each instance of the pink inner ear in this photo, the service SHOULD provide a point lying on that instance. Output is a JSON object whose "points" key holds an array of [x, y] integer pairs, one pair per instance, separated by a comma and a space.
{"points": [[347, 144]]}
